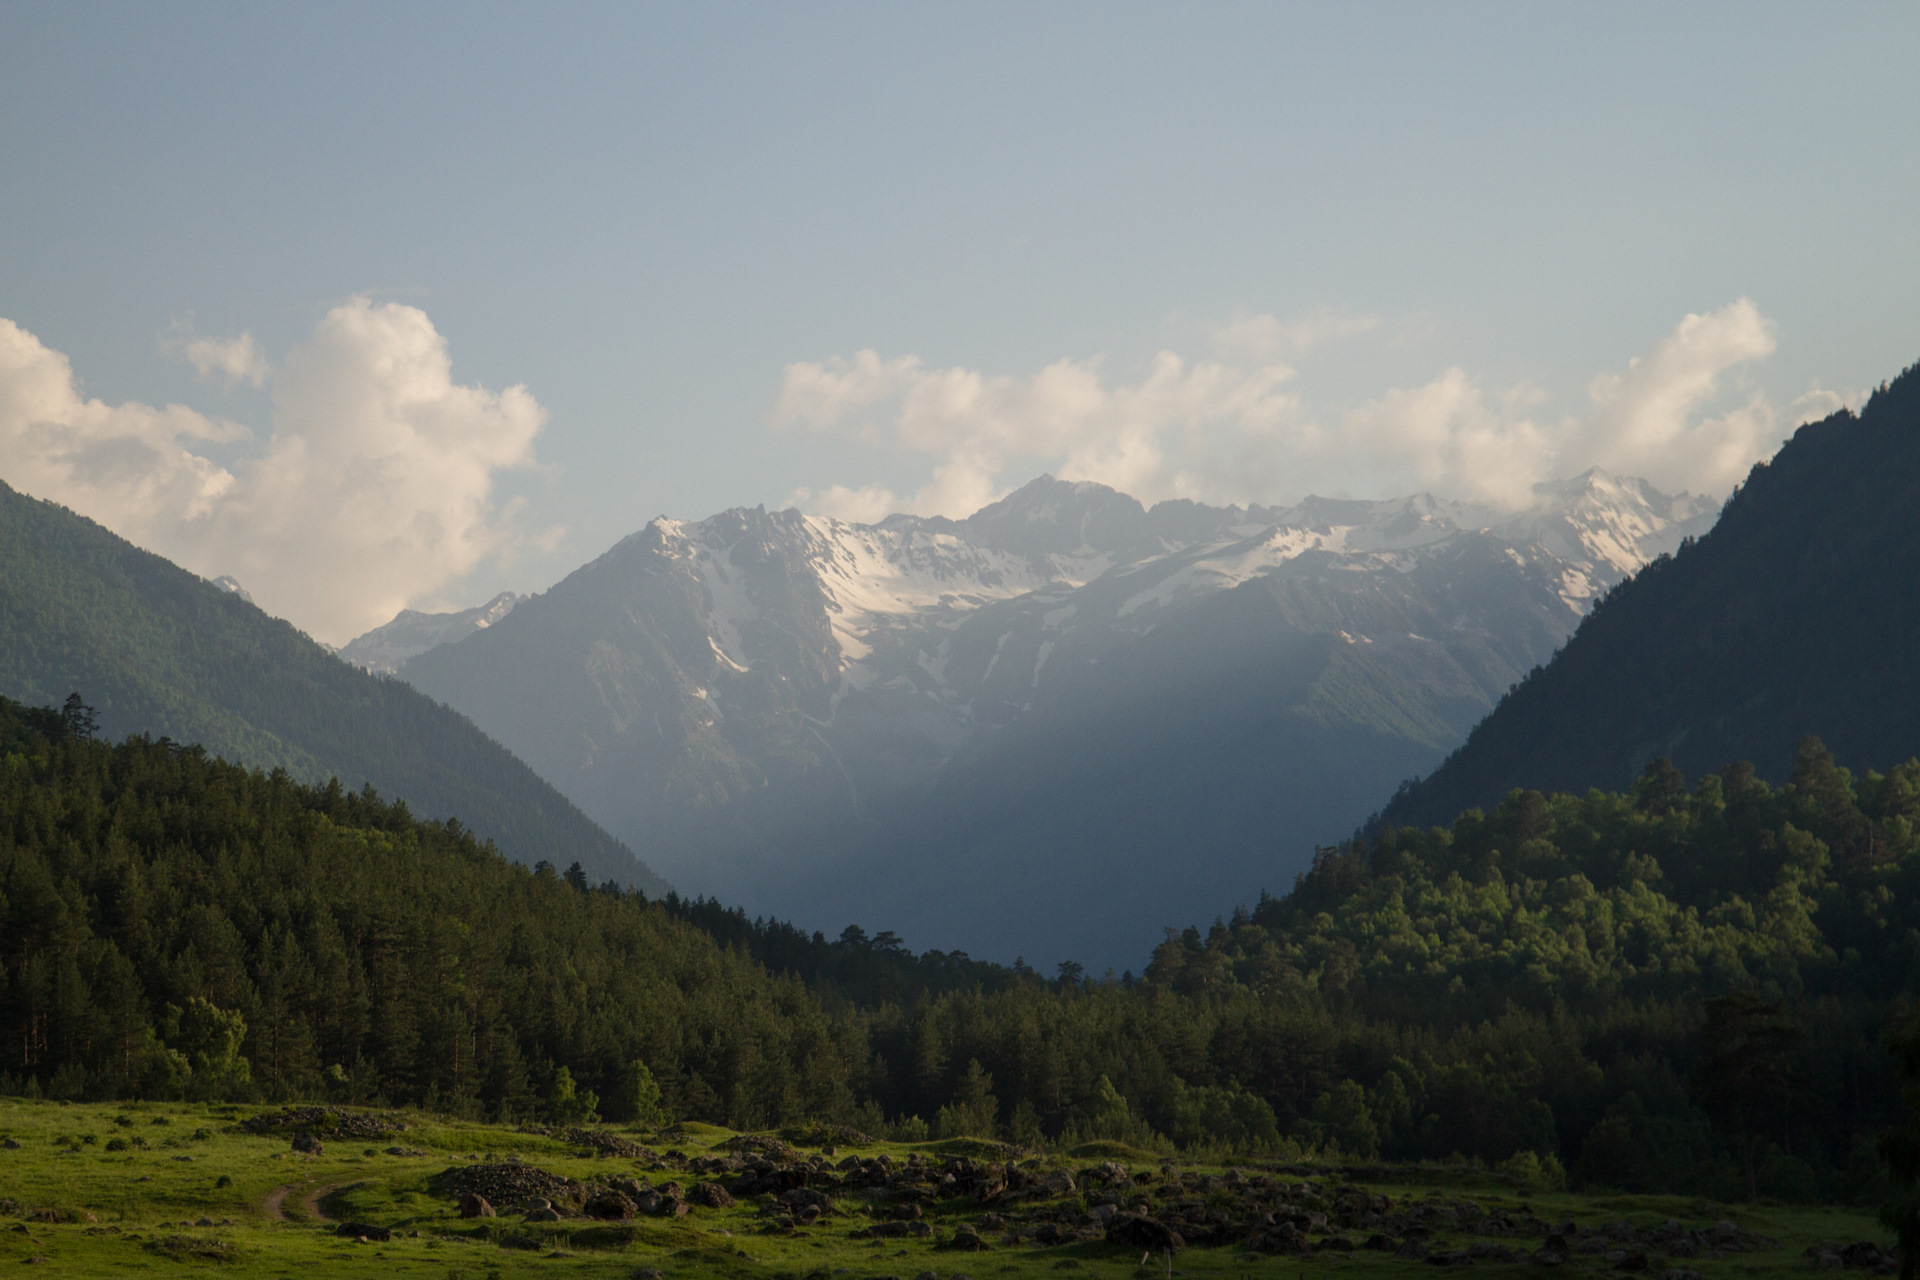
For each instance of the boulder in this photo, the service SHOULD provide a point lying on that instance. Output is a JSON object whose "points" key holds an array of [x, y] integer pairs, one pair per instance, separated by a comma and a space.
{"points": [[710, 1194], [473, 1206], [967, 1239], [611, 1206], [549, 1214], [307, 1144], [1144, 1233]]}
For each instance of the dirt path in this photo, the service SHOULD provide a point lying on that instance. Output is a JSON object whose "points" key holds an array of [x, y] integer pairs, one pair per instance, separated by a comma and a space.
{"points": [[306, 1205]]}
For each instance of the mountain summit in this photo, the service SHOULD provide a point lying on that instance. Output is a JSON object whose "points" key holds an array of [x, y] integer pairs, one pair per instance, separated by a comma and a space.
{"points": [[1162, 708], [383, 649]]}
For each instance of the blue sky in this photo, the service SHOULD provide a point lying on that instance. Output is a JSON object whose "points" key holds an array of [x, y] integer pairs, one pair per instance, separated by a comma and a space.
{"points": [[1407, 239]]}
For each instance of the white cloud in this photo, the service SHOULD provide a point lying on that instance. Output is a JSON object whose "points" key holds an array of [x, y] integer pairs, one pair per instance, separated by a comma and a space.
{"points": [[235, 359], [373, 490], [1236, 430], [1646, 420], [1065, 415]]}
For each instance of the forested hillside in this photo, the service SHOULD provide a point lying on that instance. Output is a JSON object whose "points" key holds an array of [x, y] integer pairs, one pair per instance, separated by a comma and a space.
{"points": [[159, 651], [1674, 988], [1797, 614]]}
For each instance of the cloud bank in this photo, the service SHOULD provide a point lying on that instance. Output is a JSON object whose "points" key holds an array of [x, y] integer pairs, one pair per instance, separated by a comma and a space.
{"points": [[373, 489], [1237, 429]]}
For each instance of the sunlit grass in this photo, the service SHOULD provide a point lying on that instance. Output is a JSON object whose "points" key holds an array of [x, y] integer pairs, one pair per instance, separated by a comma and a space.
{"points": [[138, 1208]]}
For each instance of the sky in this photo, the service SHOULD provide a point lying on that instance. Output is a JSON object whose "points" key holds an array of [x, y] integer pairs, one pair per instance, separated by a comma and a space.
{"points": [[389, 305]]}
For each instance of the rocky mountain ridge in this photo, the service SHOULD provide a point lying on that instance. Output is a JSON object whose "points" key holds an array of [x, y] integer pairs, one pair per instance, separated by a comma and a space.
{"points": [[767, 700], [382, 650]]}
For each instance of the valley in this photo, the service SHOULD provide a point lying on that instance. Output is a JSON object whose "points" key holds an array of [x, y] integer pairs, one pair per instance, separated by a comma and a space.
{"points": [[844, 723]]}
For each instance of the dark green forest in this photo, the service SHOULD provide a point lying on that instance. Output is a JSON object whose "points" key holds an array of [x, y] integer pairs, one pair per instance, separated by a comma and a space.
{"points": [[159, 651], [1795, 615], [1680, 987]]}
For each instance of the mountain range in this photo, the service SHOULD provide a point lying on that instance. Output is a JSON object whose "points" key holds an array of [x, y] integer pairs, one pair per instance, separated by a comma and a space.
{"points": [[1799, 614], [1047, 729], [156, 650]]}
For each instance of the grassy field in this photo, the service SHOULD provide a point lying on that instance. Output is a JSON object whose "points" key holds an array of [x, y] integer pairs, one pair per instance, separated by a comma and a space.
{"points": [[109, 1189]]}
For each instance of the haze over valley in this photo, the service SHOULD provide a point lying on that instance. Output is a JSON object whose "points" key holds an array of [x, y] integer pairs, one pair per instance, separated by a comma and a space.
{"points": [[839, 723]]}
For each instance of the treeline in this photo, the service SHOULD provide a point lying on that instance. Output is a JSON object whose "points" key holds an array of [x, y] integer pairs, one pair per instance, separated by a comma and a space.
{"points": [[1679, 988], [854, 969]]}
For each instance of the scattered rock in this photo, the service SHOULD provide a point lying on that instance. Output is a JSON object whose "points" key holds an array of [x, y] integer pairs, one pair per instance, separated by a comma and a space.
{"points": [[508, 1184], [307, 1144], [893, 1230], [182, 1248], [761, 1144], [331, 1121]]}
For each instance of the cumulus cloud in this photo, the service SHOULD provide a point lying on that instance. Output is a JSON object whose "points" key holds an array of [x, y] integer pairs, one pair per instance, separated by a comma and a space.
{"points": [[1237, 429], [234, 359], [374, 488], [1066, 415]]}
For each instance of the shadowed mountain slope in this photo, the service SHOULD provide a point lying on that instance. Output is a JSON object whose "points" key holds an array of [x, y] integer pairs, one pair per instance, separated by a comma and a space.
{"points": [[1798, 614], [159, 651]]}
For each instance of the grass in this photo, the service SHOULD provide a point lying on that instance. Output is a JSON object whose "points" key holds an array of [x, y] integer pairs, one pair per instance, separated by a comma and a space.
{"points": [[125, 1185]]}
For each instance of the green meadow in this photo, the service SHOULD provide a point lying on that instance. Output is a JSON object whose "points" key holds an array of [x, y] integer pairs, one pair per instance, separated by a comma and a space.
{"points": [[161, 1188]]}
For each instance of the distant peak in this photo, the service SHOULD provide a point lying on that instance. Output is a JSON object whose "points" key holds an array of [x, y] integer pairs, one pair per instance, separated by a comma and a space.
{"points": [[231, 585]]}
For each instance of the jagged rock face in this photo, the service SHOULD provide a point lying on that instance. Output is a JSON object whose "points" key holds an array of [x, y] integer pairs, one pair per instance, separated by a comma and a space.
{"points": [[773, 706]]}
